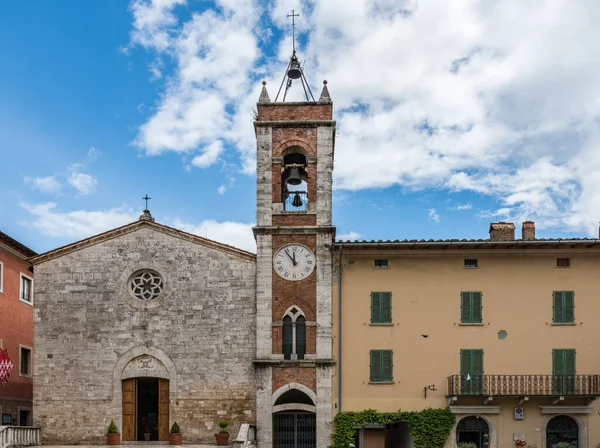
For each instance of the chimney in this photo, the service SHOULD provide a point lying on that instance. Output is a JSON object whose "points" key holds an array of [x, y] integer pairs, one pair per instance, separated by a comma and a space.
{"points": [[528, 231], [502, 231]]}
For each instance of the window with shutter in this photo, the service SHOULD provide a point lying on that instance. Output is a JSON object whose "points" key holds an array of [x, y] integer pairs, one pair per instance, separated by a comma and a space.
{"points": [[288, 343], [300, 337], [471, 307], [563, 307], [471, 371], [381, 366], [563, 371], [381, 307]]}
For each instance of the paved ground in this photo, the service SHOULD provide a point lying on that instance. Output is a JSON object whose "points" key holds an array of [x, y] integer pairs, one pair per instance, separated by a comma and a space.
{"points": [[140, 444]]}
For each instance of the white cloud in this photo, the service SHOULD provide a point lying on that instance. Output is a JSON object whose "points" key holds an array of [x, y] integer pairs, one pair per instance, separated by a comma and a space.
{"points": [[209, 156], [350, 236], [83, 183], [76, 224], [492, 97], [433, 216], [215, 53], [232, 233], [48, 184], [461, 207], [222, 189], [93, 154]]}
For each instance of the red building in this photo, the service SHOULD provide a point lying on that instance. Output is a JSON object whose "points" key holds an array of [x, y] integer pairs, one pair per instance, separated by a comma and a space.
{"points": [[16, 330]]}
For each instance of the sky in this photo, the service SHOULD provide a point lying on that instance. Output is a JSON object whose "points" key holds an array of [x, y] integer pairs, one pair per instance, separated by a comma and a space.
{"points": [[450, 115]]}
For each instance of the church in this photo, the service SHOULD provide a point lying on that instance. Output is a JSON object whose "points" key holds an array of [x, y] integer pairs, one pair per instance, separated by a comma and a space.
{"points": [[147, 325]]}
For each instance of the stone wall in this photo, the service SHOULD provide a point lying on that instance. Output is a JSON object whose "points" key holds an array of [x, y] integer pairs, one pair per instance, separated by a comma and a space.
{"points": [[87, 326]]}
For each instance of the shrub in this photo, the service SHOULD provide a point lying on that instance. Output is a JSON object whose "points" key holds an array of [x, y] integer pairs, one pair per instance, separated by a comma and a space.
{"points": [[223, 424], [112, 428], [467, 445], [175, 429]]}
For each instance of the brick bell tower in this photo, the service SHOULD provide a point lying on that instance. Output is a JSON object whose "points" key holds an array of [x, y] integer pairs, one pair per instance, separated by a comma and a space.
{"points": [[295, 143]]}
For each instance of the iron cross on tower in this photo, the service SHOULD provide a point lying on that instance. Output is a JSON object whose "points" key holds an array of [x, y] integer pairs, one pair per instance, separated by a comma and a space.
{"points": [[293, 15], [146, 198]]}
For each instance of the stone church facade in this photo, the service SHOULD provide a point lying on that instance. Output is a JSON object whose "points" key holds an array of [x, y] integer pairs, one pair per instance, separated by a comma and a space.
{"points": [[147, 325]]}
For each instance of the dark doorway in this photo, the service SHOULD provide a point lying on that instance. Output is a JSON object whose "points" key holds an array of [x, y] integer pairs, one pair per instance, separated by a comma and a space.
{"points": [[295, 430], [562, 429], [474, 430], [147, 409]]}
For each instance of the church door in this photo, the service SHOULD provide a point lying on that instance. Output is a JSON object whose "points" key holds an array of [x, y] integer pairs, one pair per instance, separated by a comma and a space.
{"points": [[295, 430], [145, 409]]}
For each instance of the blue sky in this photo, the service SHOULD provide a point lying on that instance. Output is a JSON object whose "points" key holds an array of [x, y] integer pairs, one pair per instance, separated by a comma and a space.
{"points": [[450, 115]]}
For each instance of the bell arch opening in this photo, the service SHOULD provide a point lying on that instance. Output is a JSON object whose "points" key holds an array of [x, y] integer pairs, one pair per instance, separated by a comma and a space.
{"points": [[294, 180]]}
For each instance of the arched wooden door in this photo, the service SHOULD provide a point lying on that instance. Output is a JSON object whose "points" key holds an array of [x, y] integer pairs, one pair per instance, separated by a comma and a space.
{"points": [[136, 418]]}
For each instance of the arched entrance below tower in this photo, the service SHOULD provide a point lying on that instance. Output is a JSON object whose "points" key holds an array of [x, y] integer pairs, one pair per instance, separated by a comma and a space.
{"points": [[475, 430], [294, 421], [562, 428], [145, 409]]}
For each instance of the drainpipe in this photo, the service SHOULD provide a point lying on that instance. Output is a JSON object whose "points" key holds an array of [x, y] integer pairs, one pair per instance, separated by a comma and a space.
{"points": [[339, 364]]}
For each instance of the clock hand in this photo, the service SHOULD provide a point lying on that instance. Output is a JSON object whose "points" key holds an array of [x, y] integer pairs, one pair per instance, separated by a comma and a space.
{"points": [[293, 259]]}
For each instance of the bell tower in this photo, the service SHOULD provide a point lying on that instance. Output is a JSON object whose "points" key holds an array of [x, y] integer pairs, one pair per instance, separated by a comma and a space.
{"points": [[295, 144]]}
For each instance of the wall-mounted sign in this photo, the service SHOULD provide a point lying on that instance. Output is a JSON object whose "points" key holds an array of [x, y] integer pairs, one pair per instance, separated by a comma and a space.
{"points": [[519, 414]]}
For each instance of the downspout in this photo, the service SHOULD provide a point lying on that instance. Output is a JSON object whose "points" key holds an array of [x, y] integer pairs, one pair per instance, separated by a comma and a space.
{"points": [[339, 363]]}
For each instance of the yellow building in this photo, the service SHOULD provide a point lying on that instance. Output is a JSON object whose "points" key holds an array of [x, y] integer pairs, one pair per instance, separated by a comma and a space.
{"points": [[501, 330]]}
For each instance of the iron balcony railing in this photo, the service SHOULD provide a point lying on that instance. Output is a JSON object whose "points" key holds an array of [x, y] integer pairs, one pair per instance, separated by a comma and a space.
{"points": [[295, 201], [524, 385]]}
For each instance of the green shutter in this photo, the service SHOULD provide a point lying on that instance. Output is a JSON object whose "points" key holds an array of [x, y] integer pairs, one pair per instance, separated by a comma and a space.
{"points": [[569, 357], [375, 374], [557, 307], [386, 307], [465, 362], [471, 367], [563, 371], [465, 307], [476, 304], [387, 365], [558, 365], [375, 307], [569, 306]]}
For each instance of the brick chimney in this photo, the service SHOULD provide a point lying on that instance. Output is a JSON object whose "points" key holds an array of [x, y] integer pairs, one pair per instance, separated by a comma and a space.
{"points": [[502, 231], [528, 231]]}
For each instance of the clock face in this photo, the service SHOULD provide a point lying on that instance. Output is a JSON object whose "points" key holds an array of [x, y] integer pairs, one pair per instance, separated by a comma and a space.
{"points": [[294, 262]]}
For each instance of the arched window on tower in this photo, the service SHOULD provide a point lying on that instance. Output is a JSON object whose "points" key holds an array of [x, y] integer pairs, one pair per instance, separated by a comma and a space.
{"points": [[294, 182], [294, 334]]}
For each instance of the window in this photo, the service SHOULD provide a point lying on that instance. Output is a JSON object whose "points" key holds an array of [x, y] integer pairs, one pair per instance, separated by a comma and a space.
{"points": [[471, 307], [563, 307], [294, 334], [25, 362], [26, 294], [381, 307], [563, 262], [1, 276], [24, 418], [471, 263], [563, 371], [471, 371], [381, 366], [381, 264]]}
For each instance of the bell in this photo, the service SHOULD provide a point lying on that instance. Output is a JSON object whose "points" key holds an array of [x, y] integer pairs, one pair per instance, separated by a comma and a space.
{"points": [[297, 202], [294, 177], [294, 72]]}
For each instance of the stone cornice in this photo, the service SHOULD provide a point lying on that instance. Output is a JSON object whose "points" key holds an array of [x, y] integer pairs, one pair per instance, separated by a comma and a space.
{"points": [[566, 409], [132, 227], [294, 123], [294, 363], [475, 409], [262, 230]]}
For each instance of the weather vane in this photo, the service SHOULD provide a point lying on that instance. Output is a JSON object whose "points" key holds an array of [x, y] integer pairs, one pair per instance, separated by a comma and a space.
{"points": [[294, 69], [146, 198]]}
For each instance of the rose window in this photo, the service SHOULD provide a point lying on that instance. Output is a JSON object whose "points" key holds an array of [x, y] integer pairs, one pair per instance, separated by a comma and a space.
{"points": [[146, 285]]}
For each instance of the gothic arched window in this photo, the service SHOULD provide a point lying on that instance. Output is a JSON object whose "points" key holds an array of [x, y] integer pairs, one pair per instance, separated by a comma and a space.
{"points": [[294, 334]]}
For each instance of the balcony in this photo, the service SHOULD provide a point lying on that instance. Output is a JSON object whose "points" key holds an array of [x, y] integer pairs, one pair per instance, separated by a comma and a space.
{"points": [[524, 386]]}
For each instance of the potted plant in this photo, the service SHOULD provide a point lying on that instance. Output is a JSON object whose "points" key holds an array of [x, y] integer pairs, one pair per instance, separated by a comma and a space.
{"points": [[222, 436], [113, 437], [175, 435]]}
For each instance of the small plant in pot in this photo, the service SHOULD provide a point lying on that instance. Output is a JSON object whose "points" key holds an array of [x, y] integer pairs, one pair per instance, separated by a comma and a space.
{"points": [[113, 437], [175, 435], [222, 436]]}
